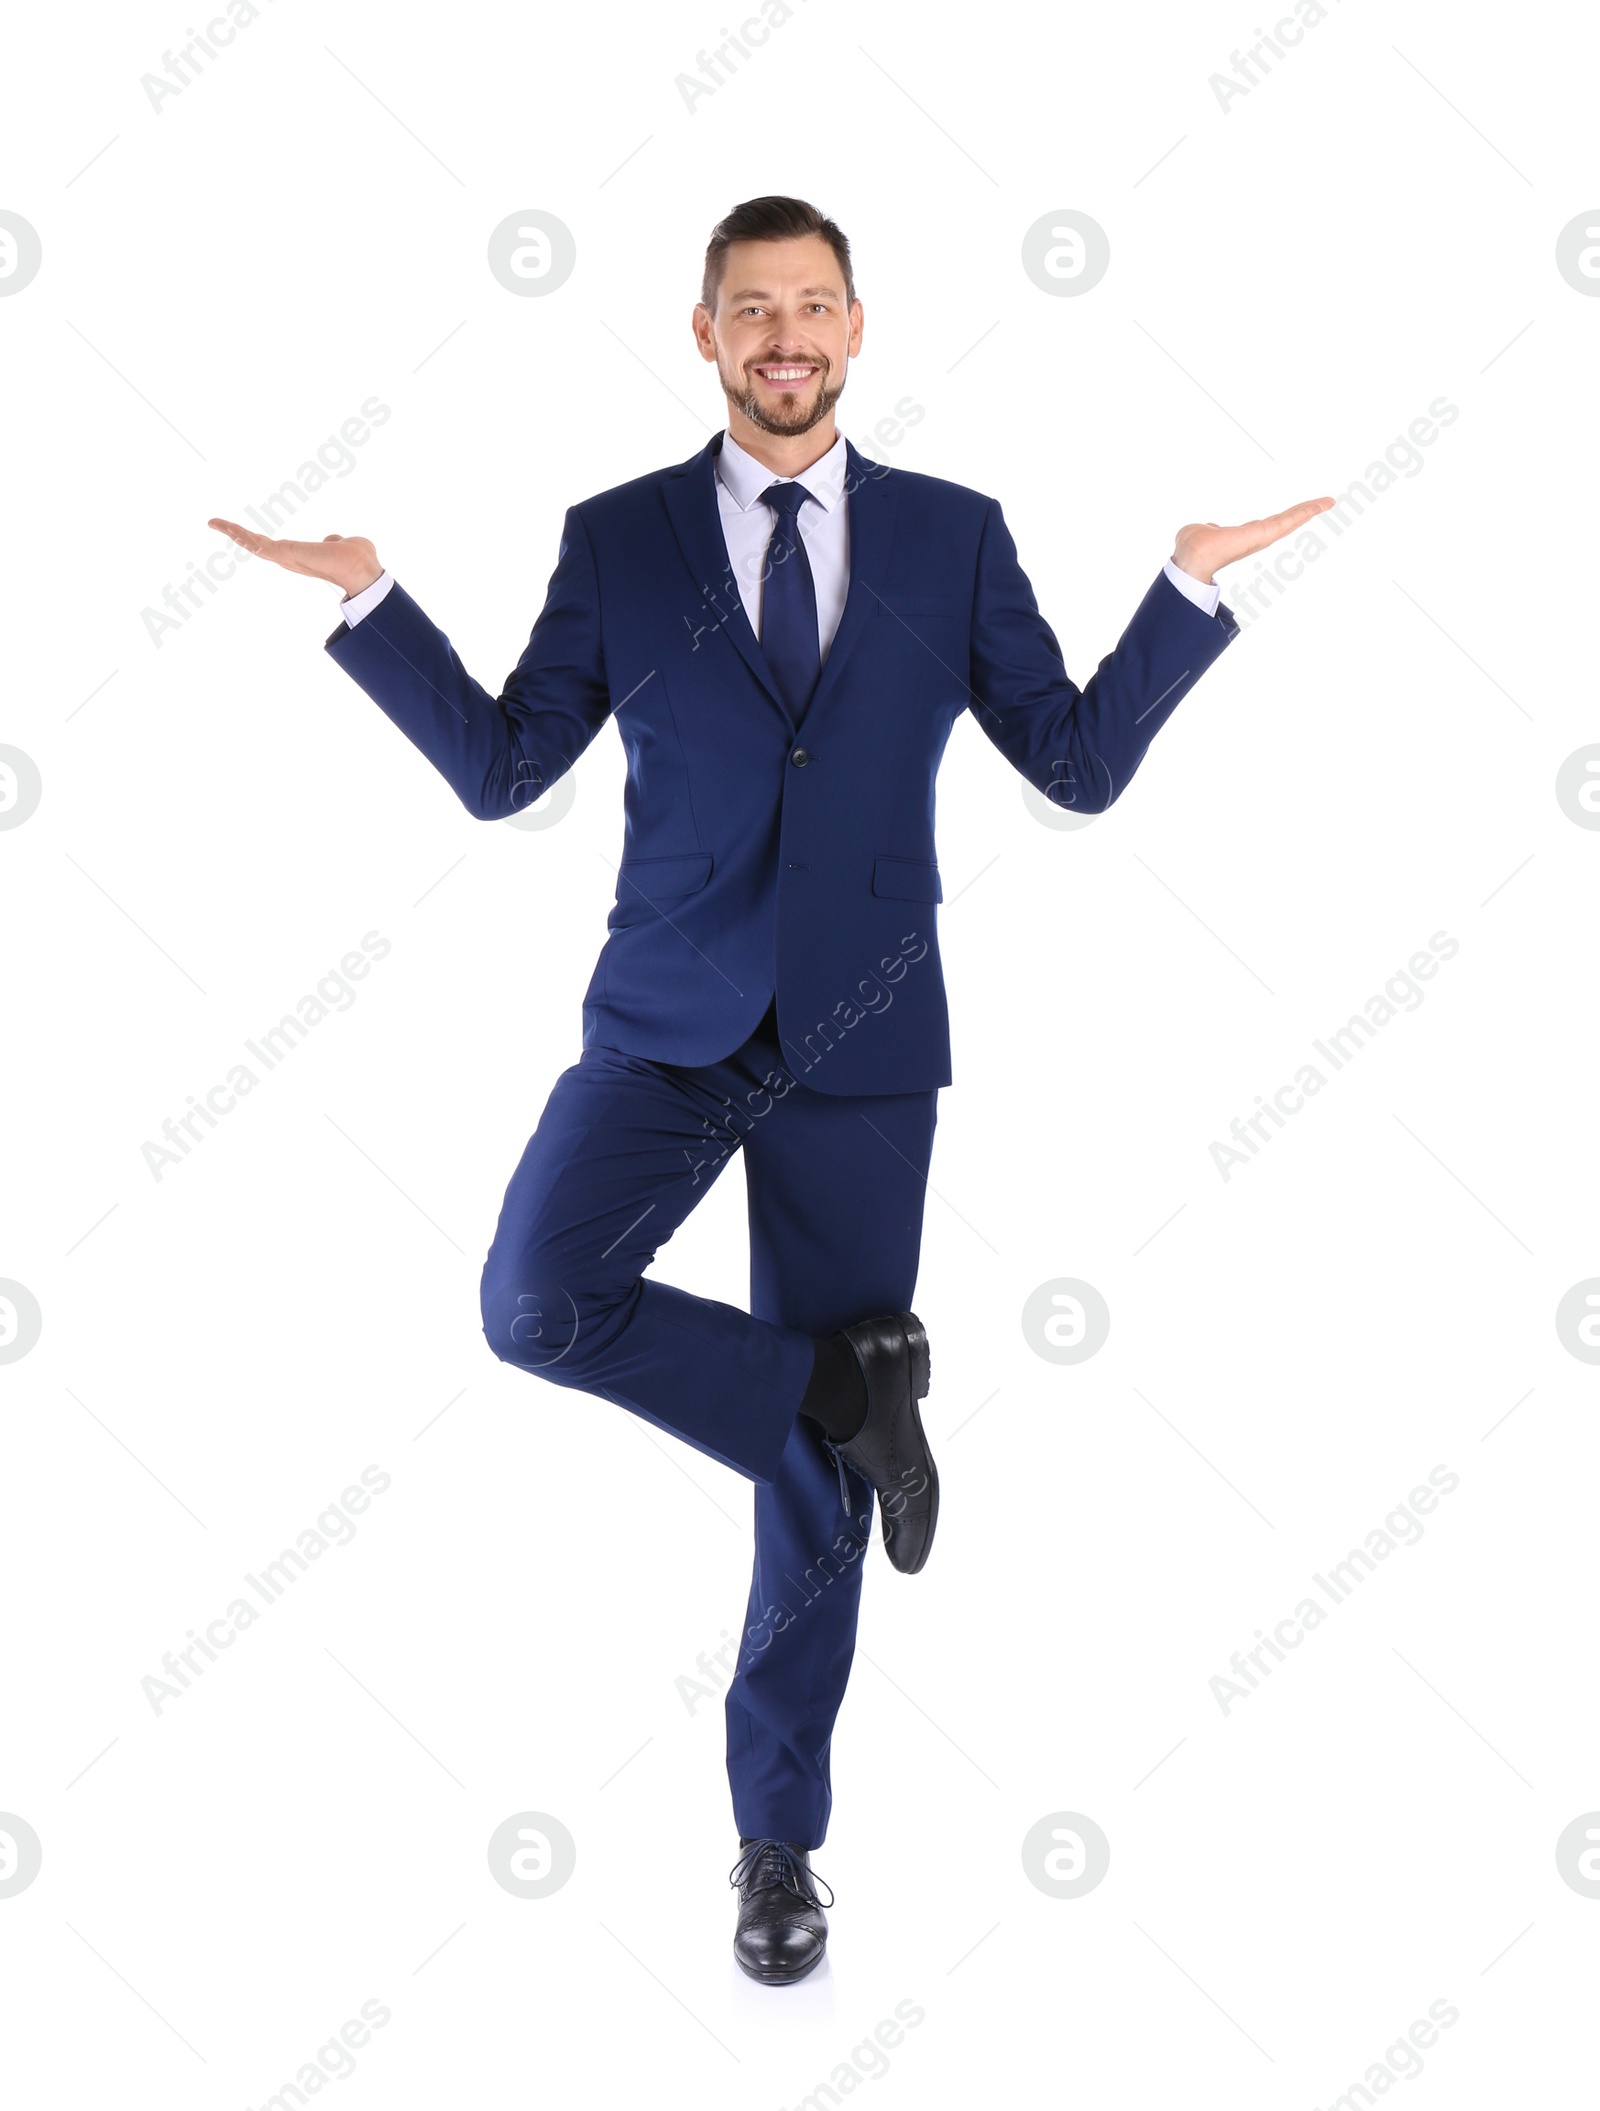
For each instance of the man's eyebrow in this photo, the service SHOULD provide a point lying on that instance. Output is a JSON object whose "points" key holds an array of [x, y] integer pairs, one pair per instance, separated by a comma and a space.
{"points": [[759, 293]]}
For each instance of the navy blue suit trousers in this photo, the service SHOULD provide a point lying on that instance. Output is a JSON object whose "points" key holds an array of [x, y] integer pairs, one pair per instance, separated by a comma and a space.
{"points": [[625, 1149]]}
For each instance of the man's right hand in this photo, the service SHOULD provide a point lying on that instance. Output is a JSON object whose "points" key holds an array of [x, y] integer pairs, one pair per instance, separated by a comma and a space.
{"points": [[348, 561]]}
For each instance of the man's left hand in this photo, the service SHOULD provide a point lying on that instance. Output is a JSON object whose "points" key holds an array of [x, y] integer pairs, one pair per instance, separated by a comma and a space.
{"points": [[1202, 546]]}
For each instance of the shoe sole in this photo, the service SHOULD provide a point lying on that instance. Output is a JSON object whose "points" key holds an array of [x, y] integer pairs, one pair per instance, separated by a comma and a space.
{"points": [[921, 1380]]}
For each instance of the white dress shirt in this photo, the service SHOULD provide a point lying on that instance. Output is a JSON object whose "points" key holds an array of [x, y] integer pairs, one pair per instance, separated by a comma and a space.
{"points": [[747, 527], [824, 525]]}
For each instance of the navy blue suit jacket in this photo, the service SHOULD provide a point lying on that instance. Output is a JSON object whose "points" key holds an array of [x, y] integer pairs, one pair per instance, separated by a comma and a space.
{"points": [[759, 859]]}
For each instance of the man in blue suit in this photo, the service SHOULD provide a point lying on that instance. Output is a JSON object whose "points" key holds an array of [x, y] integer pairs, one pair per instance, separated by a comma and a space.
{"points": [[784, 633]]}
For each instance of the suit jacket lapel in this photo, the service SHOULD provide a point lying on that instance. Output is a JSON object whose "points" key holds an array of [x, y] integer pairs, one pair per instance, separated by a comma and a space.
{"points": [[691, 498], [690, 492], [872, 524]]}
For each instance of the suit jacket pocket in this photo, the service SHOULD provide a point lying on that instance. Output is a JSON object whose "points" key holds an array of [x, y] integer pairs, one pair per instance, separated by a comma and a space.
{"points": [[907, 880], [642, 883]]}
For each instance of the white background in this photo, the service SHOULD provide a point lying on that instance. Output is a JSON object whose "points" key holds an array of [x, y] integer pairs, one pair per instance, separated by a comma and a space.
{"points": [[1292, 282]]}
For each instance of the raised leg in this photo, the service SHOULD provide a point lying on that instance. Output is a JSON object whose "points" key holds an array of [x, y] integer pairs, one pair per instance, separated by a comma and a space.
{"points": [[621, 1155]]}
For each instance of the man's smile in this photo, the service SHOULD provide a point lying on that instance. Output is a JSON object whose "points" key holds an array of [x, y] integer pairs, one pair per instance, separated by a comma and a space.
{"points": [[793, 375]]}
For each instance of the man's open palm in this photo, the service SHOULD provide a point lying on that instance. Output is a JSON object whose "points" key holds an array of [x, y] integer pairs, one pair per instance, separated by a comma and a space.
{"points": [[349, 561], [1202, 547]]}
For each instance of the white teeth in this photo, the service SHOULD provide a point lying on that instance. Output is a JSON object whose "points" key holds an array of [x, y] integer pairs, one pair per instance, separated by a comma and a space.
{"points": [[785, 373]]}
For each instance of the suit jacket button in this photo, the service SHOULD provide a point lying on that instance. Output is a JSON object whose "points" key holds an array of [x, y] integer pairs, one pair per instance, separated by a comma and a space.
{"points": [[799, 758]]}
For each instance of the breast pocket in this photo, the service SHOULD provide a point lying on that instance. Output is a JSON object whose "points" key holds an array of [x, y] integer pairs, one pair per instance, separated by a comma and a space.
{"points": [[898, 608], [926, 643]]}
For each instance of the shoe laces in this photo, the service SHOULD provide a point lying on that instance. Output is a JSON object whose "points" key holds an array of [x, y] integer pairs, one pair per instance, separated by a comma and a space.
{"points": [[766, 1863], [837, 1457]]}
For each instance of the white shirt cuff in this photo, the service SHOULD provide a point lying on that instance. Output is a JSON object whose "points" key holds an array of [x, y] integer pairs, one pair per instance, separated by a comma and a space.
{"points": [[1203, 596], [354, 606]]}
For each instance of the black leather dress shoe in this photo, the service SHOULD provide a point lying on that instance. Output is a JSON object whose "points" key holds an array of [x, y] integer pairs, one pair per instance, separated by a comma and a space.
{"points": [[781, 1933], [889, 1450]]}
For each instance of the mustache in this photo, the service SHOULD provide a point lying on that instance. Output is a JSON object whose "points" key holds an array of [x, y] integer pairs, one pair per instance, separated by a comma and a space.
{"points": [[815, 359]]}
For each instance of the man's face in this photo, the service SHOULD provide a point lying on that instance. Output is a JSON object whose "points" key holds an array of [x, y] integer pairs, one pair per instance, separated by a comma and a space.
{"points": [[781, 333]]}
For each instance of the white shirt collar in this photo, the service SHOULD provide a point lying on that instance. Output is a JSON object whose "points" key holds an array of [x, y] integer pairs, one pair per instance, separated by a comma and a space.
{"points": [[746, 478]]}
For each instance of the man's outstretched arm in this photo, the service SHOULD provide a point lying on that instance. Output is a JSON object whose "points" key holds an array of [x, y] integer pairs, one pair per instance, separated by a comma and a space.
{"points": [[1080, 747], [498, 753]]}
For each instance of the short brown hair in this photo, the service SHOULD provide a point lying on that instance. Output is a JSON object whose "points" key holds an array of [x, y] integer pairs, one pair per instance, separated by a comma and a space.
{"points": [[771, 220]]}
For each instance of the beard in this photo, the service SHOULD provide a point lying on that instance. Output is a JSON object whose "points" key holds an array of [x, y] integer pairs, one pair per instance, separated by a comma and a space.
{"points": [[787, 415]]}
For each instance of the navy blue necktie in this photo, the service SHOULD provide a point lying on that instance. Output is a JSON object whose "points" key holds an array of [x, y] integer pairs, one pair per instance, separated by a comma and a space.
{"points": [[789, 602]]}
